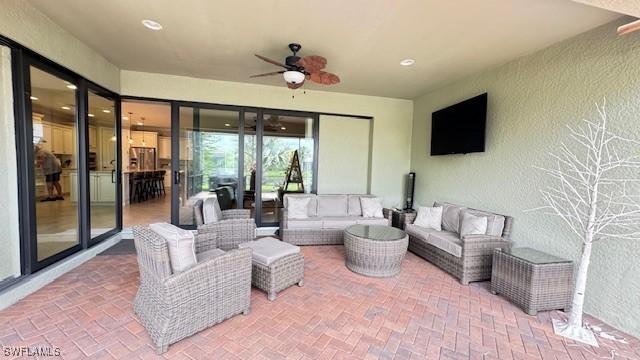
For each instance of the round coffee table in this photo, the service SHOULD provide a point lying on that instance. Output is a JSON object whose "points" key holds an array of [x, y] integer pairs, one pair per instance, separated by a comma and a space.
{"points": [[375, 250]]}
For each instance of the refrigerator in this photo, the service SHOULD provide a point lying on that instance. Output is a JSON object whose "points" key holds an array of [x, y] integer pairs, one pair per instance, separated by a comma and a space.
{"points": [[142, 158]]}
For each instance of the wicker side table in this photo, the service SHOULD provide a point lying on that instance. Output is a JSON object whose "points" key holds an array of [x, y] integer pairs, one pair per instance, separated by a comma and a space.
{"points": [[531, 279]]}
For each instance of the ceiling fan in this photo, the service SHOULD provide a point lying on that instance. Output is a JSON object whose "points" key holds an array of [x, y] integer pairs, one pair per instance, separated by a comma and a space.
{"points": [[298, 69]]}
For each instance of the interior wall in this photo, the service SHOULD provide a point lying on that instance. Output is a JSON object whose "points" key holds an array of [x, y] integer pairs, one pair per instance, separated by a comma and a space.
{"points": [[391, 137], [24, 24], [531, 100], [343, 156], [9, 231]]}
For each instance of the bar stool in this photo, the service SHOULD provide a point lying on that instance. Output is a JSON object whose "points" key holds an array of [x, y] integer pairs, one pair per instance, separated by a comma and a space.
{"points": [[136, 183], [161, 175]]}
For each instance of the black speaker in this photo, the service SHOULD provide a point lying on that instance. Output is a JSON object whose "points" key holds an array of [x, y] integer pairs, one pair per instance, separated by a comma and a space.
{"points": [[411, 184]]}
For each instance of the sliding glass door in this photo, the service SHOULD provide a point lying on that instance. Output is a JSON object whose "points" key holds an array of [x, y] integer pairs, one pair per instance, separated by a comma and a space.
{"points": [[288, 160], [53, 120], [103, 163], [67, 138], [247, 158], [205, 159]]}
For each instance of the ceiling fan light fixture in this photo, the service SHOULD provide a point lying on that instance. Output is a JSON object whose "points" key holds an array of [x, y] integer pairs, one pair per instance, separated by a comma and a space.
{"points": [[293, 77]]}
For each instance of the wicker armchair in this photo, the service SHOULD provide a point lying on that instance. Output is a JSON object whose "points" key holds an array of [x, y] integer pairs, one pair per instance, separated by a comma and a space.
{"points": [[175, 306], [236, 227]]}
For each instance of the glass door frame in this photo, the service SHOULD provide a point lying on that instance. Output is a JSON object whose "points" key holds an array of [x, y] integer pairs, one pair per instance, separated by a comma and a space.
{"points": [[242, 110], [22, 60], [175, 151], [315, 131], [117, 172]]}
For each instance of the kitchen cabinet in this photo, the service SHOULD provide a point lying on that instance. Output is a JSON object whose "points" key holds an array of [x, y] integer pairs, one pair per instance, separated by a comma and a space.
{"points": [[65, 182], [150, 139], [93, 138], [57, 140], [101, 187], [47, 136], [107, 151], [68, 141], [186, 146], [164, 147]]}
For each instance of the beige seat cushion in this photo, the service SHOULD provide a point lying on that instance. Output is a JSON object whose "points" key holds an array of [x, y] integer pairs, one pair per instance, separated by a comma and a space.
{"points": [[450, 216], [313, 203], [447, 241], [332, 205], [338, 222], [269, 249], [305, 224], [372, 221], [495, 222], [180, 243], [209, 254], [419, 231], [211, 212], [355, 209]]}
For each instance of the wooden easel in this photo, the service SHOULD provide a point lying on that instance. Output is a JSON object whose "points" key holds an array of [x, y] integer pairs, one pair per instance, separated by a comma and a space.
{"points": [[294, 174]]}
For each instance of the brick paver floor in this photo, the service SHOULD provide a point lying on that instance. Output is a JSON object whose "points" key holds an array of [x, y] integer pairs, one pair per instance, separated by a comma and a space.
{"points": [[421, 314]]}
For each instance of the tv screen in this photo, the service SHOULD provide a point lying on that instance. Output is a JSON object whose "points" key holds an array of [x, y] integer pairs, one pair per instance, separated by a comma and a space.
{"points": [[460, 128]]}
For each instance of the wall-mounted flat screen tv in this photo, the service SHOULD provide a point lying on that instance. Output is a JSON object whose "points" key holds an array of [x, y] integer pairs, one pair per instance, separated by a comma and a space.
{"points": [[460, 128]]}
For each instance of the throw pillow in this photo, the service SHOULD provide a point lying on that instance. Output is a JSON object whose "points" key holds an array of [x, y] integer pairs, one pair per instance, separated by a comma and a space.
{"points": [[473, 225], [298, 207], [180, 243], [371, 207], [211, 211], [429, 217]]}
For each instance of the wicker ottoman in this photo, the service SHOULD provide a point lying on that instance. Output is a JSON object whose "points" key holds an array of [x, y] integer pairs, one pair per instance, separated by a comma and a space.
{"points": [[532, 279], [276, 265]]}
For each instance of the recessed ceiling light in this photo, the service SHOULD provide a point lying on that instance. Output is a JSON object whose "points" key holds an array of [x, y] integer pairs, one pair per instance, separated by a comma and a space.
{"points": [[407, 62], [34, 98], [153, 25], [65, 108], [227, 125], [71, 86], [106, 111], [91, 115], [283, 128], [125, 118], [140, 123]]}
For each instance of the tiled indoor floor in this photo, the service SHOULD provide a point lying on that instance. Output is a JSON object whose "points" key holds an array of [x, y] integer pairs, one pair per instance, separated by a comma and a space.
{"points": [[423, 313]]}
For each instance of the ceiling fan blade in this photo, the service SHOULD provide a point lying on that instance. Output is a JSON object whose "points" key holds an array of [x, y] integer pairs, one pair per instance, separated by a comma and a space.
{"points": [[629, 28], [270, 61], [267, 74], [324, 78], [313, 63]]}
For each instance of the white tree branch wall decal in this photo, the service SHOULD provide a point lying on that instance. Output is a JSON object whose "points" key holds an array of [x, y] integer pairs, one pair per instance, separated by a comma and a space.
{"points": [[595, 190]]}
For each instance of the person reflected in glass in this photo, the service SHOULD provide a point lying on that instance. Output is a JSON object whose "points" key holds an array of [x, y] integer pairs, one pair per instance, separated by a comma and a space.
{"points": [[51, 169]]}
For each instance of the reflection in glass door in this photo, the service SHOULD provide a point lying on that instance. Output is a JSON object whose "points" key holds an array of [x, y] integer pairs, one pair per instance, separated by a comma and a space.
{"points": [[207, 162], [102, 163], [288, 158], [54, 128]]}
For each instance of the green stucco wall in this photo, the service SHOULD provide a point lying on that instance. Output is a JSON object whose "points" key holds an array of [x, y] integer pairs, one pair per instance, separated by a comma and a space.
{"points": [[531, 100]]}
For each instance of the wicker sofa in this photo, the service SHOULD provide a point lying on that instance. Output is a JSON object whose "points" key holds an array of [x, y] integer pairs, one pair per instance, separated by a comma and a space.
{"points": [[174, 306], [468, 258], [328, 216]]}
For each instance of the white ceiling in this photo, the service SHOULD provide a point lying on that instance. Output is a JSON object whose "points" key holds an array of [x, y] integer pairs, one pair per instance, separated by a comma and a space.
{"points": [[363, 40]]}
